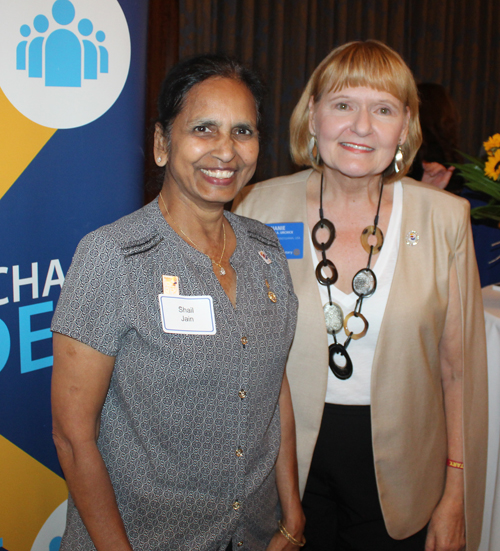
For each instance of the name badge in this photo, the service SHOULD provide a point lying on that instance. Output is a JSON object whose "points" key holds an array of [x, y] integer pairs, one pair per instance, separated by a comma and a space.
{"points": [[291, 236], [187, 315]]}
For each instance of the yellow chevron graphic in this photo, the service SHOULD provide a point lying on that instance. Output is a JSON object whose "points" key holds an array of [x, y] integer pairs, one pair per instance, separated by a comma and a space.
{"points": [[29, 493], [20, 142]]}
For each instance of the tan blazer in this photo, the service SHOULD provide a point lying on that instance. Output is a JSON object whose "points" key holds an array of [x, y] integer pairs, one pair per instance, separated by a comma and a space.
{"points": [[408, 419]]}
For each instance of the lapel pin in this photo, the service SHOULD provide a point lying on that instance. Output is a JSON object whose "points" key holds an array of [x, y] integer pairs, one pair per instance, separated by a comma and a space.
{"points": [[270, 294], [412, 238], [264, 257]]}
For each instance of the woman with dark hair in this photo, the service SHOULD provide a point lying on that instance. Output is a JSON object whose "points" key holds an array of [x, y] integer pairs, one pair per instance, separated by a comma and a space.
{"points": [[439, 121], [170, 341], [388, 368]]}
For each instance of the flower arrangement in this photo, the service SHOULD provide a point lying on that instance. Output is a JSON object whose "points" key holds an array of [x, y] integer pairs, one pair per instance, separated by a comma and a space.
{"points": [[484, 177]]}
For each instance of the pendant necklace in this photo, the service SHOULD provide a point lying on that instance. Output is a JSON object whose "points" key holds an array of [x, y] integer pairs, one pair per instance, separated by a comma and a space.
{"points": [[364, 284], [222, 271]]}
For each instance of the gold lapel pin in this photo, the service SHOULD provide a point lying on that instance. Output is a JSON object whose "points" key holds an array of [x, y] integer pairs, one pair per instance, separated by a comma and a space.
{"points": [[270, 294]]}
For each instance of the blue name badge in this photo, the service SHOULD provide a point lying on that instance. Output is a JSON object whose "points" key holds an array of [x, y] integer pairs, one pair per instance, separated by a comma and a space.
{"points": [[291, 236]]}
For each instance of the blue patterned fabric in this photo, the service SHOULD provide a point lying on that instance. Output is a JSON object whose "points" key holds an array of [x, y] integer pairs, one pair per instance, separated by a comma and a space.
{"points": [[190, 427]]}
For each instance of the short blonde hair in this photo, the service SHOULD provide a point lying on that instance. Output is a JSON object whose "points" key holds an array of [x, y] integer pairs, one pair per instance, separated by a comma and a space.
{"points": [[371, 64]]}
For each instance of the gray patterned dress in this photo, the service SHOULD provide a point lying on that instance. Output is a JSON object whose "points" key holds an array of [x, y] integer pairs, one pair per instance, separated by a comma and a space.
{"points": [[190, 427]]}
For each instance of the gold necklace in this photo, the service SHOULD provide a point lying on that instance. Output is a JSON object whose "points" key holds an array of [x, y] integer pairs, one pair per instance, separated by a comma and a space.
{"points": [[222, 271]]}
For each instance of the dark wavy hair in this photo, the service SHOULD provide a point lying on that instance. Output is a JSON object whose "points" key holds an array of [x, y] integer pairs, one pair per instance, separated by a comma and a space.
{"points": [[186, 74], [439, 121]]}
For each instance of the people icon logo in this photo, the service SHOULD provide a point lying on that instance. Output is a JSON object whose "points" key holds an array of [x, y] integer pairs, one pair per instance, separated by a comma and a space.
{"points": [[63, 49], [63, 63]]}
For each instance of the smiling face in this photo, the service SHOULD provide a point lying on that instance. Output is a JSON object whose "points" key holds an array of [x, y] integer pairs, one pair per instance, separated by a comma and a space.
{"points": [[358, 130], [213, 143]]}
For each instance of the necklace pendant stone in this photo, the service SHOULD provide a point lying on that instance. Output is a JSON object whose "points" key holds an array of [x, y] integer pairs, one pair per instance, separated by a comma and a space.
{"points": [[364, 283], [222, 271], [334, 317]]}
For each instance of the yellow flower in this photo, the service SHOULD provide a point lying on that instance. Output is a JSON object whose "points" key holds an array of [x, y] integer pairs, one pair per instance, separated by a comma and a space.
{"points": [[492, 144], [492, 167]]}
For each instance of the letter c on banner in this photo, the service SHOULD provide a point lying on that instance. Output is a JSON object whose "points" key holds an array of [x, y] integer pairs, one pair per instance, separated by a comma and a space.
{"points": [[4, 344]]}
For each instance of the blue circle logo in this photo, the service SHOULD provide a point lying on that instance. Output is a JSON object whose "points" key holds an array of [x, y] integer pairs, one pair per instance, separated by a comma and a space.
{"points": [[63, 63]]}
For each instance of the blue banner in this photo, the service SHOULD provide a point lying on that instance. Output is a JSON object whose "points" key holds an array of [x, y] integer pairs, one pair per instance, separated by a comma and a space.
{"points": [[72, 80]]}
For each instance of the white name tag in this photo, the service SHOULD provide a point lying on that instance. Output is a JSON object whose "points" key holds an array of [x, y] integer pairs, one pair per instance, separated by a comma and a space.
{"points": [[187, 315]]}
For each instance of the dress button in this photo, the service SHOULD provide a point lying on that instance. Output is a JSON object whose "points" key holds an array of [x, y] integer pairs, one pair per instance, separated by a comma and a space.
{"points": [[239, 452], [244, 340], [239, 544], [242, 394], [236, 505]]}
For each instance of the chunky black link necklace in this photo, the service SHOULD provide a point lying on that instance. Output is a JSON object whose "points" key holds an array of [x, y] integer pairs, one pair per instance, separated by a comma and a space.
{"points": [[364, 284]]}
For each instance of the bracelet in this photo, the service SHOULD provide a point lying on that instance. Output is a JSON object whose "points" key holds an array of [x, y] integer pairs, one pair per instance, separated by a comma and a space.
{"points": [[286, 534], [454, 464]]}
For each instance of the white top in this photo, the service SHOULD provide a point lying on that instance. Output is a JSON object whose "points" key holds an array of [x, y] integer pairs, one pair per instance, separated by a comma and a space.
{"points": [[356, 389]]}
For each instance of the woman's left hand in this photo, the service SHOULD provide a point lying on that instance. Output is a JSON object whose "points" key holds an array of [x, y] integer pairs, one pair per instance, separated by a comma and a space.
{"points": [[280, 543], [446, 530], [287, 479], [436, 174]]}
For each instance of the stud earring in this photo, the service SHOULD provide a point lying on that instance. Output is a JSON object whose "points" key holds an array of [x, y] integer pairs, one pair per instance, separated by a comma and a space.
{"points": [[398, 160], [159, 159]]}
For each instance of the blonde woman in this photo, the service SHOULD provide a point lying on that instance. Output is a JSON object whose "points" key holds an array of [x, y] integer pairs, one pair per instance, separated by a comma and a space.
{"points": [[387, 369]]}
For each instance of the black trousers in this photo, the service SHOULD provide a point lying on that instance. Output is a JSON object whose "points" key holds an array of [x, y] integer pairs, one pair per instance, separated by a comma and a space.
{"points": [[341, 501]]}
